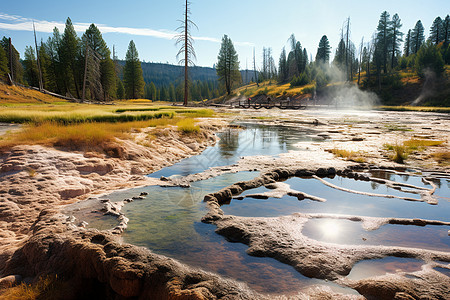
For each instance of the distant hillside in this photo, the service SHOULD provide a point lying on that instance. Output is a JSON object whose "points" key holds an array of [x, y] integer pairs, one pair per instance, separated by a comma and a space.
{"points": [[164, 74]]}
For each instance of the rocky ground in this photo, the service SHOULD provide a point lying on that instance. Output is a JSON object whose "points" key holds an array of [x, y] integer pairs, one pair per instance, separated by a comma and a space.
{"points": [[36, 238]]}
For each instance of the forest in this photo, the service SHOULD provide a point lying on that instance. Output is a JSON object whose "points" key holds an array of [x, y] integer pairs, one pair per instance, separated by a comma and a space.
{"points": [[86, 68]]}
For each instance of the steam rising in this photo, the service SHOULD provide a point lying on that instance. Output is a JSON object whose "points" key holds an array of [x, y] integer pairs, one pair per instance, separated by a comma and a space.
{"points": [[428, 87], [349, 96]]}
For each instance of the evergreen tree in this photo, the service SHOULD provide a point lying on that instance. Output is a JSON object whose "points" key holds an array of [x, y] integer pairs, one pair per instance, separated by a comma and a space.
{"points": [[396, 36], [108, 78], [3, 64], [417, 37], [152, 88], [339, 57], [228, 64], [384, 38], [120, 89], [172, 96], [31, 68], [446, 30], [69, 55], [323, 51], [132, 74], [47, 79], [437, 31], [163, 94], [407, 47], [56, 69], [16, 67], [282, 67]]}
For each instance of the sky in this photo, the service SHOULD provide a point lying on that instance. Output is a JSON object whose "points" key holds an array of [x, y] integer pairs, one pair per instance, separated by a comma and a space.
{"points": [[250, 24]]}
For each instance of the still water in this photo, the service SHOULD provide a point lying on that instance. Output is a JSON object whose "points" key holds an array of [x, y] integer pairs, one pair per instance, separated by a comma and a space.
{"points": [[168, 222]]}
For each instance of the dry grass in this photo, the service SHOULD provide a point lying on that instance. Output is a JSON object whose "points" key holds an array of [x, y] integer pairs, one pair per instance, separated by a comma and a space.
{"points": [[93, 136], [441, 157], [45, 288], [20, 95], [402, 151], [273, 89], [187, 126], [415, 108], [348, 155], [415, 144]]}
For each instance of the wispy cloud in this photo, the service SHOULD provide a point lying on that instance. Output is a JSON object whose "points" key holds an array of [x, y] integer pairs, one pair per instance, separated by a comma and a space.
{"points": [[19, 23]]}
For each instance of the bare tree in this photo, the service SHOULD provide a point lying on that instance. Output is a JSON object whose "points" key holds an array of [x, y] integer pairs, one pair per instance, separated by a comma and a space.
{"points": [[187, 49], [360, 59]]}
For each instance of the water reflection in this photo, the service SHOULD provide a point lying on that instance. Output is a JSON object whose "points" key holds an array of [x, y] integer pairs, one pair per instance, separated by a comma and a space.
{"points": [[234, 143], [376, 267], [432, 237]]}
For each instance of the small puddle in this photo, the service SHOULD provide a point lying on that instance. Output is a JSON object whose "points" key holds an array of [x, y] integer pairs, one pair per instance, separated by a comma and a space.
{"points": [[377, 267], [444, 271], [347, 232]]}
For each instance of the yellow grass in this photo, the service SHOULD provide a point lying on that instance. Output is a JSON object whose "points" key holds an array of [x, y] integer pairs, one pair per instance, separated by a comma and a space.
{"points": [[84, 136], [16, 94], [400, 152], [348, 155], [188, 126], [49, 287], [272, 89], [416, 144], [441, 157]]}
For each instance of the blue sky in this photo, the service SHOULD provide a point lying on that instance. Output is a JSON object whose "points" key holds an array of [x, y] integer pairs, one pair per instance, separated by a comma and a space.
{"points": [[249, 23]]}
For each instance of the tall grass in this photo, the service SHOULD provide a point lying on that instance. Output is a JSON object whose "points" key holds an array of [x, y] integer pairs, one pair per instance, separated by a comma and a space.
{"points": [[80, 116], [82, 136], [188, 126]]}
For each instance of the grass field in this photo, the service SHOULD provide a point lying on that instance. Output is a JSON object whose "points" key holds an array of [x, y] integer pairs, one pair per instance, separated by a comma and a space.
{"points": [[50, 121]]}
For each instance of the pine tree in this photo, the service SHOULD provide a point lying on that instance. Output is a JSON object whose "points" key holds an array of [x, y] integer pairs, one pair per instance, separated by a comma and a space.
{"points": [[384, 38], [16, 67], [3, 64], [446, 31], [120, 89], [437, 31], [55, 71], [172, 96], [152, 91], [228, 64], [323, 51], [417, 37], [108, 78], [407, 47], [132, 74], [339, 57], [282, 67], [31, 69], [69, 55], [396, 36]]}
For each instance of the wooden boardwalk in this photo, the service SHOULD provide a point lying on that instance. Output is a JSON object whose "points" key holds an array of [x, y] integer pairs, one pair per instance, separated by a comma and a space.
{"points": [[280, 105]]}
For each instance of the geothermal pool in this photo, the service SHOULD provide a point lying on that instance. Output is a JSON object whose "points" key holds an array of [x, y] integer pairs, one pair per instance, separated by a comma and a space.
{"points": [[168, 219]]}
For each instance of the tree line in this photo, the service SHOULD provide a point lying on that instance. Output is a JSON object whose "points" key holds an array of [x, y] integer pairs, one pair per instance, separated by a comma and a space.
{"points": [[85, 68], [371, 64]]}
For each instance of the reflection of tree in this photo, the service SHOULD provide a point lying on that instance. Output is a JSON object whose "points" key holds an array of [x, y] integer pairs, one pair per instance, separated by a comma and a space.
{"points": [[374, 185], [229, 143], [405, 177]]}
